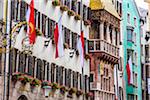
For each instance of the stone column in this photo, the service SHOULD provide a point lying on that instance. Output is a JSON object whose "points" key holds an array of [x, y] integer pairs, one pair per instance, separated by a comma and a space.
{"points": [[113, 36], [101, 26], [108, 33]]}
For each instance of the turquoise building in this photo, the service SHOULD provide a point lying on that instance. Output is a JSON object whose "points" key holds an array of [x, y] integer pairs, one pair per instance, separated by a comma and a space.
{"points": [[131, 46]]}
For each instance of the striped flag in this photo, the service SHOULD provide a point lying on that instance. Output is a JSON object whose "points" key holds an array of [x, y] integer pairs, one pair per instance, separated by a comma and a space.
{"points": [[59, 39], [31, 23], [129, 71], [80, 47]]}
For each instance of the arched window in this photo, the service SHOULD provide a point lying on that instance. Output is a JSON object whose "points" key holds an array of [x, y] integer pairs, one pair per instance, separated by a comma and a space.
{"points": [[22, 97]]}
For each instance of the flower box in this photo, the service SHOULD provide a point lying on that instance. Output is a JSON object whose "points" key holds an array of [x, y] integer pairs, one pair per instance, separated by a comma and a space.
{"points": [[25, 79], [35, 82], [72, 91], [89, 94], [15, 77], [54, 86], [79, 93], [87, 22], [77, 17], [56, 3], [87, 56], [63, 89], [63, 8], [70, 13]]}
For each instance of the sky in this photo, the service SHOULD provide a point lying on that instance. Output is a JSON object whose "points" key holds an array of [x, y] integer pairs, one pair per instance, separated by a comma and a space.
{"points": [[141, 3]]}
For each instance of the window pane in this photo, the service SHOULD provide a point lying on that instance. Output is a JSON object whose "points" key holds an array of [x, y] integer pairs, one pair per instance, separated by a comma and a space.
{"points": [[31, 64]]}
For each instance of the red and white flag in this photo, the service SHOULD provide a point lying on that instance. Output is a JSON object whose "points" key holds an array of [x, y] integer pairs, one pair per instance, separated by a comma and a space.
{"points": [[129, 71], [80, 47], [30, 19], [59, 39]]}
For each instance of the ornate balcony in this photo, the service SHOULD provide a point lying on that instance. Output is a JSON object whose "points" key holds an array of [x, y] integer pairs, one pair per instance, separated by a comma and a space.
{"points": [[104, 48]]}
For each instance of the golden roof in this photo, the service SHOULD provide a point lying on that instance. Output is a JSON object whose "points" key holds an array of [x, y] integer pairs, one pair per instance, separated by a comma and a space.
{"points": [[104, 4]]}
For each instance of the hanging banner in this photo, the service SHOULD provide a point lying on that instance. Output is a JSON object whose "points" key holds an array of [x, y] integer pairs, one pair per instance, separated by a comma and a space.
{"points": [[148, 85]]}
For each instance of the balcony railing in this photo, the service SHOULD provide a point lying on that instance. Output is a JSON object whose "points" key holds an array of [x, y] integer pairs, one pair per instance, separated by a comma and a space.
{"points": [[97, 45]]}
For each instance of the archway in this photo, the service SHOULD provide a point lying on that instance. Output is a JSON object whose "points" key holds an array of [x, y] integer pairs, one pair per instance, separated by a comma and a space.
{"points": [[22, 97]]}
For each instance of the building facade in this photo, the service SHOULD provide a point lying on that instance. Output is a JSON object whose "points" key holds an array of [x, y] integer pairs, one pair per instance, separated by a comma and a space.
{"points": [[131, 46], [103, 48], [143, 29], [33, 71]]}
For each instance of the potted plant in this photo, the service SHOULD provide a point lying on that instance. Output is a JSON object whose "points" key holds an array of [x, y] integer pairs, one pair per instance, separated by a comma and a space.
{"points": [[72, 91], [54, 86], [63, 8], [38, 32], [63, 89], [55, 2], [70, 13], [79, 93], [87, 56], [89, 94], [35, 82], [15, 77], [25, 79], [87, 22], [77, 17]]}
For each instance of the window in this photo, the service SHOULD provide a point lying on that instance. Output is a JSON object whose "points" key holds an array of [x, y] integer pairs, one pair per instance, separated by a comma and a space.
{"points": [[73, 78], [44, 24], [130, 53], [146, 51], [14, 9], [86, 83], [67, 36], [31, 64], [84, 12], [13, 58], [130, 97], [39, 20], [23, 10], [52, 72], [135, 79], [22, 63], [39, 70], [51, 26], [134, 38], [61, 76], [73, 5], [48, 72], [91, 77], [66, 74], [128, 18], [129, 35], [57, 74], [74, 40], [35, 17], [69, 78], [135, 22], [79, 4], [88, 13]]}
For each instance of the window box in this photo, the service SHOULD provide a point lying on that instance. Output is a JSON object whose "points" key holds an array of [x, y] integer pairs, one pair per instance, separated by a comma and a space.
{"points": [[15, 77], [89, 94], [35, 82], [72, 91], [87, 22], [87, 56], [38, 32], [25, 79], [63, 8], [79, 93], [63, 90], [77, 17], [54, 86], [70, 13], [55, 3]]}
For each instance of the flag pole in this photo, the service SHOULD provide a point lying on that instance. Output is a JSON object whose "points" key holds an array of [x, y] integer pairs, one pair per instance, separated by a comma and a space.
{"points": [[81, 10]]}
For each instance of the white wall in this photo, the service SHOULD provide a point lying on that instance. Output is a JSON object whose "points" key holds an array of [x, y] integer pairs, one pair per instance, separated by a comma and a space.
{"points": [[48, 53]]}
